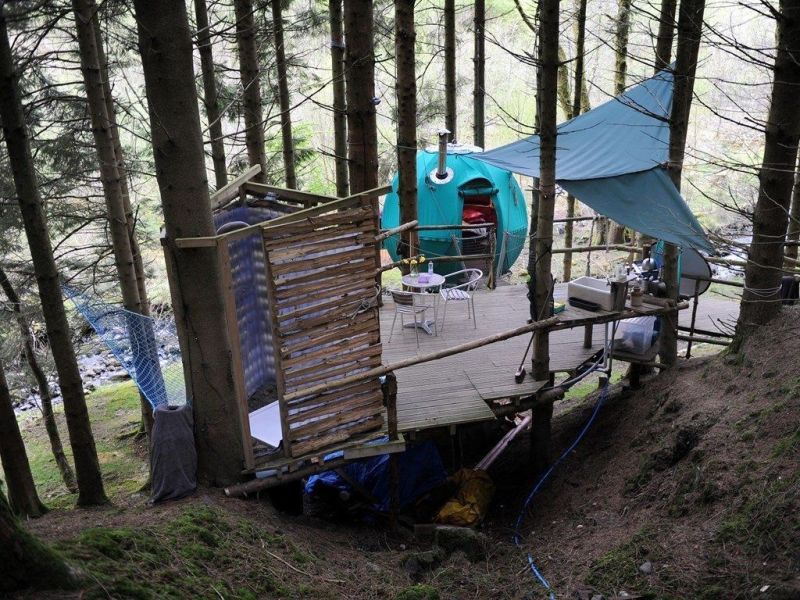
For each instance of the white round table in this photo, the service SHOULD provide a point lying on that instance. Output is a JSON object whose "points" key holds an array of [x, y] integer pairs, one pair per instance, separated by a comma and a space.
{"points": [[433, 280]]}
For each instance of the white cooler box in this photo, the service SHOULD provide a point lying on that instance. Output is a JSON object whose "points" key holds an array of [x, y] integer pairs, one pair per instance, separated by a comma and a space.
{"points": [[635, 335]]}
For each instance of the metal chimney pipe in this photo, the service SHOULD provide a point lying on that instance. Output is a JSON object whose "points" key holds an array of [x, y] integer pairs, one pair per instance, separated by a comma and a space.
{"points": [[441, 170]]}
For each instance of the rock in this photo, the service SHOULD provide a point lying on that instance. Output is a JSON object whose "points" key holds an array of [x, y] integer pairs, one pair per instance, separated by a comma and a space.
{"points": [[411, 566], [646, 567], [469, 541], [417, 562], [374, 568], [598, 597]]}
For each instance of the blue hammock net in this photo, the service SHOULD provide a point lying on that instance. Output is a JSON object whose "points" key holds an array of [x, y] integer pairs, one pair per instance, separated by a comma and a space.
{"points": [[147, 348]]}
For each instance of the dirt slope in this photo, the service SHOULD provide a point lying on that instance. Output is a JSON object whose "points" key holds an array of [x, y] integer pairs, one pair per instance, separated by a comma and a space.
{"points": [[697, 474], [694, 479]]}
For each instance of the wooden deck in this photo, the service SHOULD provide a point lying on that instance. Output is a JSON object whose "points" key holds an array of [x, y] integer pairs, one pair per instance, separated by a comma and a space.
{"points": [[456, 389]]}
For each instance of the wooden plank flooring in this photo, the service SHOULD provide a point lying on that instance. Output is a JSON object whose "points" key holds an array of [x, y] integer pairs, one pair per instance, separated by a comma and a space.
{"points": [[456, 389]]}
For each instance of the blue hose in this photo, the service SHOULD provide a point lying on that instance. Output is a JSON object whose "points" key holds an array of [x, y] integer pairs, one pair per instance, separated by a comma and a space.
{"points": [[517, 536]]}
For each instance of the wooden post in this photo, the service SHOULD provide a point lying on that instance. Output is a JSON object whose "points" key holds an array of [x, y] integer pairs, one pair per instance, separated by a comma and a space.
{"points": [[694, 317], [390, 397], [229, 296], [491, 280], [276, 349]]}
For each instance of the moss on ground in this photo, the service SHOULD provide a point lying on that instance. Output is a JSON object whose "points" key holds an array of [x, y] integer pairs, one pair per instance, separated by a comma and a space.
{"points": [[767, 525], [418, 592], [619, 568], [202, 553]]}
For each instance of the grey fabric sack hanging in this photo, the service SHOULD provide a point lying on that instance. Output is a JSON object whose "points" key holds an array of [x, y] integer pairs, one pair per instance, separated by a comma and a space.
{"points": [[173, 458]]}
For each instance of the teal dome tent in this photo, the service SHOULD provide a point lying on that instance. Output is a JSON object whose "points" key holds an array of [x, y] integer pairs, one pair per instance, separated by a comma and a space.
{"points": [[473, 192]]}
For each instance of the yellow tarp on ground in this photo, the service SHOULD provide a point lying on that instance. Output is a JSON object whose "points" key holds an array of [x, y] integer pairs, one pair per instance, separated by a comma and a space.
{"points": [[469, 506]]}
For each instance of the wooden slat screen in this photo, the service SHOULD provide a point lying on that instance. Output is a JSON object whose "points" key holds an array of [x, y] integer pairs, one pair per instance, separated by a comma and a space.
{"points": [[321, 280]]}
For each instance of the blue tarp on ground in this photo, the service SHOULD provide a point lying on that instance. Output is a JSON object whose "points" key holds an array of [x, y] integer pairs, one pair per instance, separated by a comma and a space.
{"points": [[420, 469], [612, 159]]}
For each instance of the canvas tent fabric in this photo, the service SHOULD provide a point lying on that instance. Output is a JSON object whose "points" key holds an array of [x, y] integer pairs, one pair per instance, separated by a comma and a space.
{"points": [[442, 203], [613, 159]]}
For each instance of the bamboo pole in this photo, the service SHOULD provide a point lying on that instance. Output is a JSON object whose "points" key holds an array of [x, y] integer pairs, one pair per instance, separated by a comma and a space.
{"points": [[386, 233], [620, 247], [460, 257]]}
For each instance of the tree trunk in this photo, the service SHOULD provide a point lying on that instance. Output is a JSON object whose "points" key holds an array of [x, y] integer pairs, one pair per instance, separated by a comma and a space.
{"points": [[339, 101], [21, 489], [406, 90], [762, 275], [547, 102], [666, 31], [690, 29], [621, 46], [109, 155], [136, 253], [107, 159], [617, 232], [479, 64], [165, 45], [450, 92], [362, 128], [575, 110], [45, 395], [283, 95], [564, 88], [210, 98], [251, 86], [138, 263], [87, 467], [27, 563], [547, 99], [793, 230]]}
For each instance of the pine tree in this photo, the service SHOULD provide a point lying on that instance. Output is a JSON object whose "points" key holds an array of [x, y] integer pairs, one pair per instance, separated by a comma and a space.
{"points": [[165, 46], [21, 488], [283, 95], [406, 91], [27, 563], [479, 66], [45, 394], [249, 70], [547, 99], [762, 276], [450, 91], [339, 98], [87, 466], [690, 28], [362, 129], [210, 96]]}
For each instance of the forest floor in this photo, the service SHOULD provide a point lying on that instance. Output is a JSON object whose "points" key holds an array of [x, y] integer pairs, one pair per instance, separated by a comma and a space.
{"points": [[687, 488]]}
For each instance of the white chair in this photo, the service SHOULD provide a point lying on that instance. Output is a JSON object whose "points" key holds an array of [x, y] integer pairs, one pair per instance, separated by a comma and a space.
{"points": [[461, 292], [409, 303]]}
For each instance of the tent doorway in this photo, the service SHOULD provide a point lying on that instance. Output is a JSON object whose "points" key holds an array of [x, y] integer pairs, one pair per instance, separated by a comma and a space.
{"points": [[478, 207]]}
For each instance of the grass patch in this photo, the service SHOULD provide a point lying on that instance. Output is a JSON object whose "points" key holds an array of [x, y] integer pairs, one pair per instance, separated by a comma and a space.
{"points": [[787, 445], [619, 568], [114, 412], [767, 525], [418, 592]]}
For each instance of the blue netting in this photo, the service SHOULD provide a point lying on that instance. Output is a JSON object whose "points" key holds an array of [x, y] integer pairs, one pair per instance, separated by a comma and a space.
{"points": [[147, 348]]}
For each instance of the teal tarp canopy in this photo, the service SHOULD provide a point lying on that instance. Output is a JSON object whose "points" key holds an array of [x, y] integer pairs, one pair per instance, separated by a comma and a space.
{"points": [[612, 159]]}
